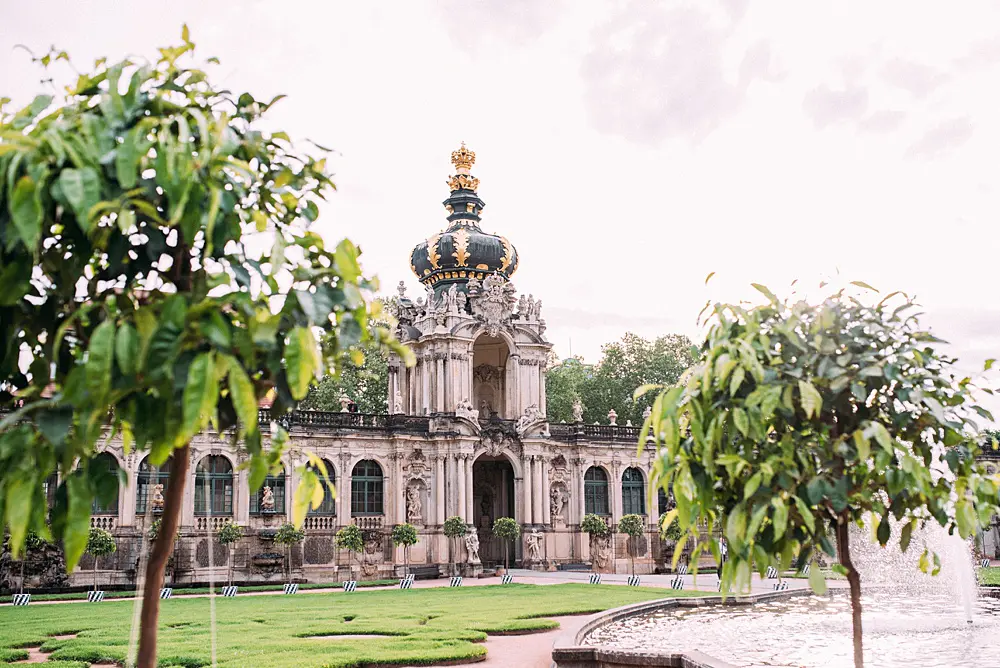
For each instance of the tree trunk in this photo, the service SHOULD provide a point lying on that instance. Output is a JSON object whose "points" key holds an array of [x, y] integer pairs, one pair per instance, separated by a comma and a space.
{"points": [[162, 547], [854, 580], [24, 558], [406, 559], [506, 557], [96, 560]]}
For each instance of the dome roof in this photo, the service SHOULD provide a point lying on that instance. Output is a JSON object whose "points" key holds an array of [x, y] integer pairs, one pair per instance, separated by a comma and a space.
{"points": [[463, 250]]}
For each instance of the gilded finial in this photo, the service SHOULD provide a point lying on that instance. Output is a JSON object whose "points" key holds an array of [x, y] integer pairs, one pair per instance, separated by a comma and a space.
{"points": [[463, 159]]}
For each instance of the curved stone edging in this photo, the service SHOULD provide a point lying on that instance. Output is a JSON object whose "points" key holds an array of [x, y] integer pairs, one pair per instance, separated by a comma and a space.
{"points": [[568, 650]]}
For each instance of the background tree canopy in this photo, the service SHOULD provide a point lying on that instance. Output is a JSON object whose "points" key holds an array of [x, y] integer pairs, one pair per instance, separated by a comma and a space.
{"points": [[625, 365]]}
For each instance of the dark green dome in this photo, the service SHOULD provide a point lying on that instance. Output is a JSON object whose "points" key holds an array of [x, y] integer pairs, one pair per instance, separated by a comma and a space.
{"points": [[463, 250]]}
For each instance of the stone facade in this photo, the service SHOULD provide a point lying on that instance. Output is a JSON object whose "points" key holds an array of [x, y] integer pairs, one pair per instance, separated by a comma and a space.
{"points": [[466, 435]]}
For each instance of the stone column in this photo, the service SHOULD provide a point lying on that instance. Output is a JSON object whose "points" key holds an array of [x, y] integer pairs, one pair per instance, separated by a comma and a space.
{"points": [[536, 492], [344, 492], [460, 474], [425, 400], [615, 490], [514, 407], [528, 483], [469, 515], [292, 482], [546, 490], [400, 491], [439, 485], [126, 498], [541, 389], [241, 497], [187, 511], [439, 383]]}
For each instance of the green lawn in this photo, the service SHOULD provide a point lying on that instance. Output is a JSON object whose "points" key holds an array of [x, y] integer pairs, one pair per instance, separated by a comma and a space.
{"points": [[990, 576], [421, 625]]}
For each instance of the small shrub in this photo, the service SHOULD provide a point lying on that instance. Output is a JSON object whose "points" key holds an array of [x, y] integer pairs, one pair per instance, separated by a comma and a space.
{"points": [[405, 535], [100, 543], [594, 525], [506, 529]]}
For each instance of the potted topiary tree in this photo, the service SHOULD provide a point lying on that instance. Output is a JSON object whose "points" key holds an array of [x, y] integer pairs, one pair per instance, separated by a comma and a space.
{"points": [[229, 534], [405, 535], [287, 535], [596, 527], [32, 541], [100, 543], [631, 526], [454, 527], [350, 539], [669, 534], [507, 530]]}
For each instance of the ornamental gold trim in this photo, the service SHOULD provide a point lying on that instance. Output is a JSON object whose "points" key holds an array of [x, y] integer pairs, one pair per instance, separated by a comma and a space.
{"points": [[461, 239], [508, 256], [432, 251], [463, 182], [463, 158]]}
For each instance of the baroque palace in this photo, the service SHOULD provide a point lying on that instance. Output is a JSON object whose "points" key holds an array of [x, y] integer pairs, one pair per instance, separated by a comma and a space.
{"points": [[466, 435]]}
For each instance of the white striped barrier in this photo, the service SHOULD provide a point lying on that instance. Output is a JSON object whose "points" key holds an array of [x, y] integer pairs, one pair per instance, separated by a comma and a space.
{"points": [[229, 591], [292, 588], [456, 581], [780, 586], [595, 578], [772, 572], [95, 596], [21, 599], [805, 570], [682, 569], [985, 563], [633, 581], [406, 582], [166, 593], [730, 587], [351, 585], [506, 579], [677, 583]]}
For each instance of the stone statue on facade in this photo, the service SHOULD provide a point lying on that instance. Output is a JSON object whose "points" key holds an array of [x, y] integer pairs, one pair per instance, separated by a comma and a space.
{"points": [[267, 500], [157, 501], [401, 290], [397, 403], [472, 546], [371, 557], [557, 500], [494, 303], [600, 551], [612, 418], [533, 542], [464, 409], [414, 508], [577, 410], [345, 401], [646, 412], [531, 417]]}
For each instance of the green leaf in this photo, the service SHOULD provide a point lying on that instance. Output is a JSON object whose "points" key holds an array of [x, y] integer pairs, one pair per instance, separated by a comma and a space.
{"points": [[100, 357], [127, 349], [965, 517], [77, 528], [780, 518], [764, 291], [884, 530], [905, 535], [736, 381], [806, 514], [988, 364], [882, 436], [862, 284], [242, 394], [302, 362], [18, 505], [741, 420], [201, 394], [26, 211], [645, 389], [752, 484], [709, 277], [82, 189], [863, 445], [817, 580], [812, 401], [304, 493]]}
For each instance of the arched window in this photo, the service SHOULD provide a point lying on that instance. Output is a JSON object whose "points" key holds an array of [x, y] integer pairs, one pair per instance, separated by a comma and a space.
{"points": [[633, 497], [329, 505], [595, 491], [276, 482], [145, 489], [366, 488], [108, 466], [662, 502], [213, 487]]}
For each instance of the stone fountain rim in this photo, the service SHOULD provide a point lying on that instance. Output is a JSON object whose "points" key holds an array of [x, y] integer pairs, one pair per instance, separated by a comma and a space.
{"points": [[569, 650]]}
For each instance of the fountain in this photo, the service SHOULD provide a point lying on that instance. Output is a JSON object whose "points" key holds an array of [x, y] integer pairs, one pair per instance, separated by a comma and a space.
{"points": [[910, 618]]}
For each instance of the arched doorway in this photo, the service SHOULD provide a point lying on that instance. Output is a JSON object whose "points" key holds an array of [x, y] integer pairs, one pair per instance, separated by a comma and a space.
{"points": [[489, 376], [492, 497]]}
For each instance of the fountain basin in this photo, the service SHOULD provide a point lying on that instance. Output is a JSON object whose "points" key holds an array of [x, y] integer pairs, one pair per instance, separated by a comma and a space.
{"points": [[787, 629]]}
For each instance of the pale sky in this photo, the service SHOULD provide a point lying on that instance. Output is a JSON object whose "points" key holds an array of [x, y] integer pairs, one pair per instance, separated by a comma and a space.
{"points": [[627, 149]]}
